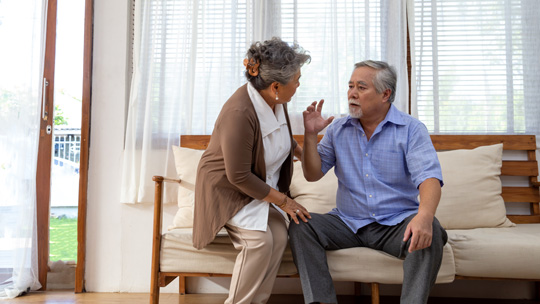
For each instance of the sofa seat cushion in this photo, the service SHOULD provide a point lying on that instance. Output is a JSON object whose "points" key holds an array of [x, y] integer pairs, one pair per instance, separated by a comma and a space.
{"points": [[353, 264], [179, 255], [373, 266], [497, 252]]}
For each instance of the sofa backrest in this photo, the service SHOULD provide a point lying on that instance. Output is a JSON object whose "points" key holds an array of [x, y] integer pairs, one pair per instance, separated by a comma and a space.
{"points": [[527, 168]]}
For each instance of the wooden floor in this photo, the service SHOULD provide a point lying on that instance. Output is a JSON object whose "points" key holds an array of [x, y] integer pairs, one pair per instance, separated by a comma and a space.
{"points": [[66, 297]]}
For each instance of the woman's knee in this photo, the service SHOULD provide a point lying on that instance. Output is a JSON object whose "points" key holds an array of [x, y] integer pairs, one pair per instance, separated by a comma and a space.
{"points": [[263, 246]]}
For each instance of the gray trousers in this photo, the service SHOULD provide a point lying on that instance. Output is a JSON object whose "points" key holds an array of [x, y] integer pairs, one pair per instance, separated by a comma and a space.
{"points": [[309, 242]]}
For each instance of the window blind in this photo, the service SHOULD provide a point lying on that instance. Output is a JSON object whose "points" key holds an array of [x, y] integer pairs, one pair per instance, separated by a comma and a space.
{"points": [[469, 65]]}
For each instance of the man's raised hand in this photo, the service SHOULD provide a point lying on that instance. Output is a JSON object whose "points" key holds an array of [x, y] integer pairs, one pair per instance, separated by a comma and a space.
{"points": [[313, 120]]}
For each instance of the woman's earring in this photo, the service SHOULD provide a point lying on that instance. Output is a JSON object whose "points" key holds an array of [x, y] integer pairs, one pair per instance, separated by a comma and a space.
{"points": [[276, 96]]}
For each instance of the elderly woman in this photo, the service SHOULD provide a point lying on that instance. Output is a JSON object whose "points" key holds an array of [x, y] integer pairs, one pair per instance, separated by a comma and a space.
{"points": [[244, 175]]}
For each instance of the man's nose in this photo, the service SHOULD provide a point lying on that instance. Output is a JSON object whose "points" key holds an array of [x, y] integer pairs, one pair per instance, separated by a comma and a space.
{"points": [[352, 93]]}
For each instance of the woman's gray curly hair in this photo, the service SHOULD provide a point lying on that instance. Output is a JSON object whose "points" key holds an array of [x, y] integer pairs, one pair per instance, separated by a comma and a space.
{"points": [[278, 60]]}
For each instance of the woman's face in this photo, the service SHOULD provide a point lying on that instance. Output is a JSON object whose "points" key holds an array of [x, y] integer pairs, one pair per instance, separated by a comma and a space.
{"points": [[287, 91]]}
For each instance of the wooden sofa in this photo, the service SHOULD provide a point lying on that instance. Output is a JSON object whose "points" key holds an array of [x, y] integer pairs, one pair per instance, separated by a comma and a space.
{"points": [[525, 168]]}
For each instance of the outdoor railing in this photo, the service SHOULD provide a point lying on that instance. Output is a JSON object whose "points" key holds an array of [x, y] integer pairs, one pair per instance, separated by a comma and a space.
{"points": [[67, 147]]}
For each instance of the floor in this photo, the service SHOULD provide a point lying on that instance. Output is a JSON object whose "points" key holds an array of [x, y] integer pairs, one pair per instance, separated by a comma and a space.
{"points": [[67, 297]]}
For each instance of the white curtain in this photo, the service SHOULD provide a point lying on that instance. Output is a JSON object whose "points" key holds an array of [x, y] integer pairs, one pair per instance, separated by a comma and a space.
{"points": [[21, 32], [188, 61]]}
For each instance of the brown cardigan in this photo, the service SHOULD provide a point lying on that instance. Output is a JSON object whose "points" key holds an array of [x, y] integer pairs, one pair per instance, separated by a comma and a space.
{"points": [[232, 171]]}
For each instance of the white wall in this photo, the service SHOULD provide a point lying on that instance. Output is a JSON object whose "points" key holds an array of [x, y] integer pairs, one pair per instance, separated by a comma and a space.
{"points": [[119, 236]]}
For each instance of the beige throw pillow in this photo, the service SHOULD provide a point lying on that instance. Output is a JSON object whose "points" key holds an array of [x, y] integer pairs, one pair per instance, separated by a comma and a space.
{"points": [[471, 195], [186, 162], [319, 196]]}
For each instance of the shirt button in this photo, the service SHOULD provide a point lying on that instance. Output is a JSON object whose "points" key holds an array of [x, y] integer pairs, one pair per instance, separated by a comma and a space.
{"points": [[366, 154], [363, 134], [373, 214], [370, 195], [367, 174]]}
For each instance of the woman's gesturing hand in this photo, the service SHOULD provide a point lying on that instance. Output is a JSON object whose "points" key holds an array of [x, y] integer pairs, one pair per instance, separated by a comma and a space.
{"points": [[295, 210]]}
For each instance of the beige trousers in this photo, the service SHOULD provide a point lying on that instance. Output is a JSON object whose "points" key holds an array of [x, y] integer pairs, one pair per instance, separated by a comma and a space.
{"points": [[258, 262]]}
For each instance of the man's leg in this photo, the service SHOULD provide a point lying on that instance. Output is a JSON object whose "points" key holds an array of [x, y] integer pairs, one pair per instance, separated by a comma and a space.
{"points": [[309, 242], [420, 267]]}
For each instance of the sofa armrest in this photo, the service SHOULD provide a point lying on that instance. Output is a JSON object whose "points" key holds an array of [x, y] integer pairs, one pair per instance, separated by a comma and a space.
{"points": [[158, 209], [156, 234], [157, 178]]}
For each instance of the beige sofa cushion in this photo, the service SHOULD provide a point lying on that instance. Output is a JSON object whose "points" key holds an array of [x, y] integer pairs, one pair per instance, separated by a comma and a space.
{"points": [[179, 255], [497, 252], [353, 264], [368, 265], [319, 196], [186, 161], [471, 195]]}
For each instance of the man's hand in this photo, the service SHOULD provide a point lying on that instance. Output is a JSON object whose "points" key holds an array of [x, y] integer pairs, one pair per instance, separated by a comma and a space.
{"points": [[313, 120], [421, 226], [421, 229]]}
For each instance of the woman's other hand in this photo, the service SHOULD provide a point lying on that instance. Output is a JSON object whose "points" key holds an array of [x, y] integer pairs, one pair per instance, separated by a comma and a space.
{"points": [[295, 210]]}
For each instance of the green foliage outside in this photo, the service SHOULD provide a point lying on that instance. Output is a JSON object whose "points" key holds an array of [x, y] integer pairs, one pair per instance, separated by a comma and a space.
{"points": [[63, 239], [59, 118]]}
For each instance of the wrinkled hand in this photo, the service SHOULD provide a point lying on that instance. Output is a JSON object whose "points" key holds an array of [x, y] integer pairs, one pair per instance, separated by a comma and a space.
{"points": [[421, 229], [313, 120], [291, 207]]}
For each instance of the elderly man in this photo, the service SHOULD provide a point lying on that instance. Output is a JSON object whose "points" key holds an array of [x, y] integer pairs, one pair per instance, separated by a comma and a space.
{"points": [[383, 159]]}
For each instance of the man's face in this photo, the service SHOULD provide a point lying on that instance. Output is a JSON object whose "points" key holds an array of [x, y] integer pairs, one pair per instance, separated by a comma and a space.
{"points": [[364, 101]]}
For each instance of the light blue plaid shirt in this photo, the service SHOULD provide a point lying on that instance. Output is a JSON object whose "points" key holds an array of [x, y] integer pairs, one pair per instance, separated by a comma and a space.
{"points": [[378, 179]]}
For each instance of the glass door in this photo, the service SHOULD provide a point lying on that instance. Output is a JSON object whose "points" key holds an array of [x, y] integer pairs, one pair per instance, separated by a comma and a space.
{"points": [[66, 143], [44, 91]]}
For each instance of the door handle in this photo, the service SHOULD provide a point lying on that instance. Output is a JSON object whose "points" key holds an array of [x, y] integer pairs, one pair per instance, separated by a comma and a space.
{"points": [[44, 114]]}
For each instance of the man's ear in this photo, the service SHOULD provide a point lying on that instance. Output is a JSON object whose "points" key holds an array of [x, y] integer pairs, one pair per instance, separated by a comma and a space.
{"points": [[386, 95]]}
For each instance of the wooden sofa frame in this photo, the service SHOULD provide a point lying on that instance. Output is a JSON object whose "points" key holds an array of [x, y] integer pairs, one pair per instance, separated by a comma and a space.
{"points": [[528, 194]]}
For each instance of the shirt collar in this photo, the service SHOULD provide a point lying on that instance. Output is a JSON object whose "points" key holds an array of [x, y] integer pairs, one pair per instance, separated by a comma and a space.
{"points": [[268, 120], [393, 116]]}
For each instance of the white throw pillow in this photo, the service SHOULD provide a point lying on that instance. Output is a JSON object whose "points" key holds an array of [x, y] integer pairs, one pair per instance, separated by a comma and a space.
{"points": [[471, 195], [319, 196], [186, 161]]}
